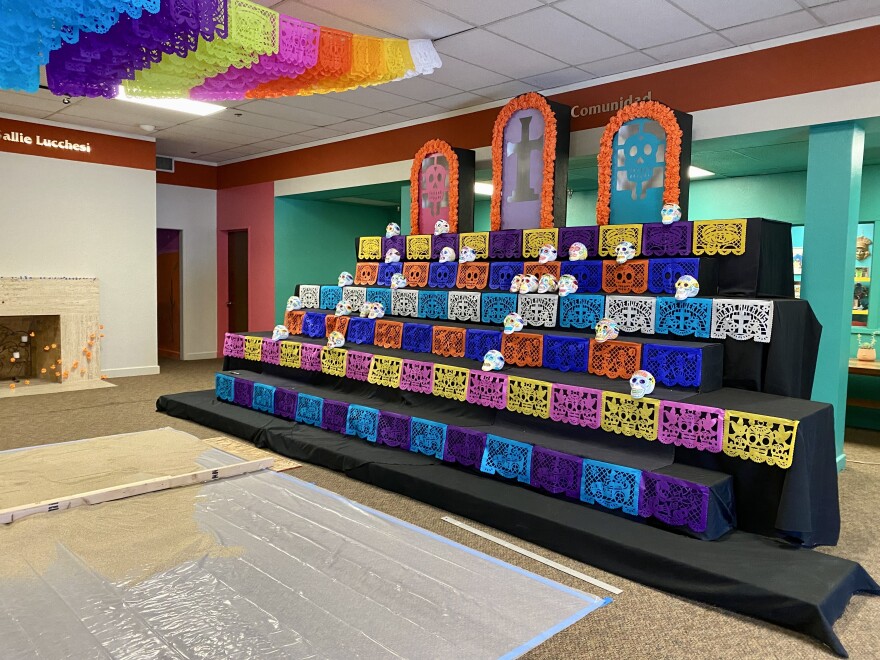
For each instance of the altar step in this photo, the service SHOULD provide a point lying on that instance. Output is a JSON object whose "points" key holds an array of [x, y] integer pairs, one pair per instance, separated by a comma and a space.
{"points": [[639, 480], [680, 364]]}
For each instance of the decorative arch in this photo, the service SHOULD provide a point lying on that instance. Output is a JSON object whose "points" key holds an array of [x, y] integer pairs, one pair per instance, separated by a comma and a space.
{"points": [[433, 147], [663, 115]]}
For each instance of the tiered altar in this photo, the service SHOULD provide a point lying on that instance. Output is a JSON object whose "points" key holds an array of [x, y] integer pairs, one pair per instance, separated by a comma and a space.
{"points": [[702, 487]]}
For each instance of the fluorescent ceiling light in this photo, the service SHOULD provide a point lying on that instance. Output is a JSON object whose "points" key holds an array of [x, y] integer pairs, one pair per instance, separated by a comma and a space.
{"points": [[482, 188], [180, 105], [695, 172]]}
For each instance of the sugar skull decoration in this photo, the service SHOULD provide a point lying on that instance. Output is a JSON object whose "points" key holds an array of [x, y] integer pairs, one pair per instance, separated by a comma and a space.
{"points": [[466, 254], [567, 284], [392, 229], [447, 254], [513, 322], [392, 256], [372, 310], [343, 308], [577, 252], [529, 284], [515, 283], [280, 332], [335, 339], [493, 361], [670, 213], [624, 251], [606, 329], [441, 227], [547, 284], [398, 281], [345, 279], [547, 253], [641, 383], [686, 287], [294, 303]]}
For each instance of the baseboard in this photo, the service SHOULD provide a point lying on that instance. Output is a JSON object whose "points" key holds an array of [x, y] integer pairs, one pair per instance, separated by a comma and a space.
{"points": [[841, 461], [131, 371], [204, 355], [165, 353]]}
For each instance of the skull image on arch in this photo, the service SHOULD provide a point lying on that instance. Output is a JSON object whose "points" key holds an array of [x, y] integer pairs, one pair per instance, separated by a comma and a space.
{"points": [[641, 158], [434, 187]]}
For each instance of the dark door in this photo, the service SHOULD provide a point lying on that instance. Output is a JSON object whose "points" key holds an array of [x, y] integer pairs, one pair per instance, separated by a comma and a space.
{"points": [[168, 291], [237, 304]]}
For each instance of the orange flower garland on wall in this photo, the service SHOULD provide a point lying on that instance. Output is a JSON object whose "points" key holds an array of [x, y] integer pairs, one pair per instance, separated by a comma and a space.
{"points": [[664, 116], [530, 101], [433, 147]]}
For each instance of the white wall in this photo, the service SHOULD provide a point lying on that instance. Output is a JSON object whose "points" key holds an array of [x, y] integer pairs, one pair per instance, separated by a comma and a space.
{"points": [[63, 218], [194, 212]]}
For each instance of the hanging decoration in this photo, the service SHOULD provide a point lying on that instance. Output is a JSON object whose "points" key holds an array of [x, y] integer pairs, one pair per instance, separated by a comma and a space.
{"points": [[209, 50]]}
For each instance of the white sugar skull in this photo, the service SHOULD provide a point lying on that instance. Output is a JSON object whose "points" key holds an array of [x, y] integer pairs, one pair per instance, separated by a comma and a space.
{"points": [[293, 303], [641, 383], [345, 279], [392, 229], [493, 361], [398, 281], [515, 283], [529, 284], [466, 254], [577, 252], [447, 254], [280, 332], [567, 284], [365, 310], [335, 339], [377, 311], [513, 322], [670, 213], [625, 251], [606, 329], [686, 287], [343, 308], [547, 284], [392, 256], [441, 227], [547, 253]]}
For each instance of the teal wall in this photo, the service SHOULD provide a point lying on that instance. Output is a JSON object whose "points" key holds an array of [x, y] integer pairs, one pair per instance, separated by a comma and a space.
{"points": [[303, 232]]}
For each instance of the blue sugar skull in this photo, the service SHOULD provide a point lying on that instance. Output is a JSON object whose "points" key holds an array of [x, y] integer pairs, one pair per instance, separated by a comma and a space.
{"points": [[670, 213], [398, 281], [335, 339], [447, 254], [493, 361], [392, 256], [345, 279], [466, 254], [513, 322], [642, 154], [280, 332], [294, 303], [641, 383], [392, 229], [343, 308]]}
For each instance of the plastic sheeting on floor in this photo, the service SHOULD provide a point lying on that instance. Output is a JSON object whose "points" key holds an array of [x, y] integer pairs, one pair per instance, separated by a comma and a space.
{"points": [[263, 566]]}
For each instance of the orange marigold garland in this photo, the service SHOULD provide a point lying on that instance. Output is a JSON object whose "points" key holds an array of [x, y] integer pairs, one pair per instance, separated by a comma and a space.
{"points": [[433, 147], [530, 101], [663, 115]]}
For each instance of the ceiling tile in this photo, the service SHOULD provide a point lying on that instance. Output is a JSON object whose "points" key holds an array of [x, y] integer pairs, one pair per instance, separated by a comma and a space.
{"points": [[497, 54], [288, 113], [370, 97], [558, 78], [120, 112], [679, 50], [185, 148], [21, 111], [771, 28], [88, 122], [814, 3], [484, 11], [294, 140], [619, 64], [847, 10], [724, 13], [328, 104], [42, 100], [404, 18], [321, 133], [351, 126], [252, 119], [313, 14], [458, 101], [559, 35], [420, 110], [421, 89], [385, 119], [645, 23], [239, 129], [464, 75], [506, 90]]}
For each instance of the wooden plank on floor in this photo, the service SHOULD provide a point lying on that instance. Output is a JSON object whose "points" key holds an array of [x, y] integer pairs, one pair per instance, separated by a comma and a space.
{"points": [[247, 451]]}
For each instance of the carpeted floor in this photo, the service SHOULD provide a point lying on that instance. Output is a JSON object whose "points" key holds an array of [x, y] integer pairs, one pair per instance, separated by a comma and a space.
{"points": [[641, 623]]}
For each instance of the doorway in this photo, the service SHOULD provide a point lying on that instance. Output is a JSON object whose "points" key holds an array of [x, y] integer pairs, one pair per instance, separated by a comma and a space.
{"points": [[168, 292], [237, 301]]}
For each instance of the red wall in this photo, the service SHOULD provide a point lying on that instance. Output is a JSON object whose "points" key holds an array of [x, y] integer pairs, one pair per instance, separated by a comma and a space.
{"points": [[251, 208]]}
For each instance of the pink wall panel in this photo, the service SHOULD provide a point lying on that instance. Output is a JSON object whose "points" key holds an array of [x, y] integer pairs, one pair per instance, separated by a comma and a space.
{"points": [[251, 208]]}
